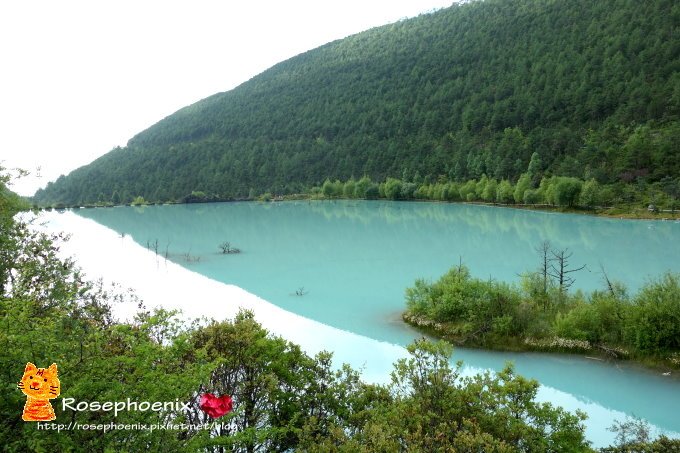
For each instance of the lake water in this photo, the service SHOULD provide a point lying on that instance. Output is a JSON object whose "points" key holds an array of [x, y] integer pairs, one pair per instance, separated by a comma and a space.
{"points": [[352, 261]]}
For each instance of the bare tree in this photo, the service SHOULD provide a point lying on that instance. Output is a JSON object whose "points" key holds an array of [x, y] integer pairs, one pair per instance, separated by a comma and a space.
{"points": [[460, 264], [152, 245], [228, 249], [608, 282], [560, 269], [544, 269], [189, 258], [614, 288]]}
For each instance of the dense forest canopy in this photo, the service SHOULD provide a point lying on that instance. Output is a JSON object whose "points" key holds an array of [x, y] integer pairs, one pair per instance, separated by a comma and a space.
{"points": [[474, 89]]}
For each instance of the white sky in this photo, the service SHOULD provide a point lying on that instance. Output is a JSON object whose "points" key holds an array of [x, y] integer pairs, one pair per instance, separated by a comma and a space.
{"points": [[78, 78]]}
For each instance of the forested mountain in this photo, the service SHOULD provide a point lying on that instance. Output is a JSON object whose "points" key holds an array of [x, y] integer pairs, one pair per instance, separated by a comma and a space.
{"points": [[477, 88]]}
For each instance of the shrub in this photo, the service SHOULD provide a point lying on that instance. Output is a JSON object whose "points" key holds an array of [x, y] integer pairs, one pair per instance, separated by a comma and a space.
{"points": [[653, 322]]}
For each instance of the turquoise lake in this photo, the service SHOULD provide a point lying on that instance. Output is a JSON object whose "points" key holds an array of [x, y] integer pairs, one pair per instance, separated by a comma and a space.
{"points": [[354, 259]]}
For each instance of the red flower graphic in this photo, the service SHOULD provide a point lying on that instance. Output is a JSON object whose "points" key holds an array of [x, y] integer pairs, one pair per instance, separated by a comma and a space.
{"points": [[215, 406]]}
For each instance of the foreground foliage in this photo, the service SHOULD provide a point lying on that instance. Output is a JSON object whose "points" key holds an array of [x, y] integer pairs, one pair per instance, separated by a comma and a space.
{"points": [[430, 407]]}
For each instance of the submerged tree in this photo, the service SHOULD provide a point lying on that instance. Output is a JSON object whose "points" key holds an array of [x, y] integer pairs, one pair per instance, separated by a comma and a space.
{"points": [[226, 248]]}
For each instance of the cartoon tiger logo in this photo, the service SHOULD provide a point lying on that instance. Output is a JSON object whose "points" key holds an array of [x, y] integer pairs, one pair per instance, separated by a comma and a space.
{"points": [[40, 385]]}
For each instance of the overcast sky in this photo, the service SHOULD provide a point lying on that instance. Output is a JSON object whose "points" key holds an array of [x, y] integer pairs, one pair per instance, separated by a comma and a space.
{"points": [[78, 78]]}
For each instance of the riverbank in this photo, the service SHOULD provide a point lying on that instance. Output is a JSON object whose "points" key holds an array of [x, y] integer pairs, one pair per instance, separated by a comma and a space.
{"points": [[613, 212], [666, 365], [610, 212]]}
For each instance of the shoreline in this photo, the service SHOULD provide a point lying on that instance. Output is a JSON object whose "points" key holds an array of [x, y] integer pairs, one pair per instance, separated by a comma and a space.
{"points": [[555, 345], [612, 212]]}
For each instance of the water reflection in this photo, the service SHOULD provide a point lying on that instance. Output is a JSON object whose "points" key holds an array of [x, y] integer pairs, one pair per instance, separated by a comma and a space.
{"points": [[492, 241]]}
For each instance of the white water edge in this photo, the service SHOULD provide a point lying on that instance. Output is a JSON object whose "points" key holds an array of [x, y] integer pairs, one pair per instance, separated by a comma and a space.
{"points": [[102, 253]]}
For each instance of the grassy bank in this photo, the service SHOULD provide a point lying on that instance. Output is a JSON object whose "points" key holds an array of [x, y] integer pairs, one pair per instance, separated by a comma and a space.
{"points": [[451, 333], [541, 314]]}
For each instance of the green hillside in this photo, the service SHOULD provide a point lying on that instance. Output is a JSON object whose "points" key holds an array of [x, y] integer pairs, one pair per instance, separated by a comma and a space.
{"points": [[592, 87]]}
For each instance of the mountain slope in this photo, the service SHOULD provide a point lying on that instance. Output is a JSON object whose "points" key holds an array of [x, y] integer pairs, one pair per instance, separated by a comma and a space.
{"points": [[593, 87]]}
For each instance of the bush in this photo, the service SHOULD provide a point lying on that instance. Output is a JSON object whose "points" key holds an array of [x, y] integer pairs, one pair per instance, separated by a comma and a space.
{"points": [[566, 191], [407, 191], [577, 324], [361, 187], [485, 306], [138, 201], [487, 310], [349, 189], [532, 196], [505, 192], [467, 190], [372, 192], [653, 322], [392, 189], [489, 192], [522, 186], [590, 195]]}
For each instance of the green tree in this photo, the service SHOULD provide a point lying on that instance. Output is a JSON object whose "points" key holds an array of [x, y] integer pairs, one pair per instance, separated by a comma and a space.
{"points": [[566, 191], [535, 165], [434, 408], [467, 190], [327, 188], [671, 187], [590, 194], [532, 196], [490, 190], [408, 190], [361, 188], [372, 192], [392, 188], [480, 186], [138, 201], [523, 184], [349, 188], [277, 389], [648, 326], [505, 192]]}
